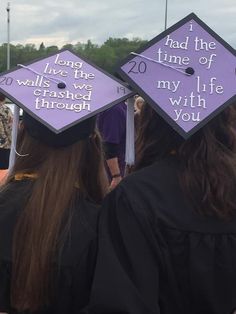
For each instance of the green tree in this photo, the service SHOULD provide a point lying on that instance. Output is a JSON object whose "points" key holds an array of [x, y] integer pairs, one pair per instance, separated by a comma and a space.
{"points": [[107, 56], [51, 49], [69, 47], [41, 47]]}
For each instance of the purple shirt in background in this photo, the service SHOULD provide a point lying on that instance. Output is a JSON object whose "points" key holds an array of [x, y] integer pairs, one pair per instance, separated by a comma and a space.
{"points": [[112, 126]]}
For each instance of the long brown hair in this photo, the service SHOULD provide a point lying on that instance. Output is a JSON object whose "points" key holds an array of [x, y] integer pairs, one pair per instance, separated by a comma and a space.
{"points": [[63, 174], [207, 159]]}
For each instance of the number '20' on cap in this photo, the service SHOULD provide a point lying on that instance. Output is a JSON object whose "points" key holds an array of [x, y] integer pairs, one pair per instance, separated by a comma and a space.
{"points": [[187, 73], [59, 94]]}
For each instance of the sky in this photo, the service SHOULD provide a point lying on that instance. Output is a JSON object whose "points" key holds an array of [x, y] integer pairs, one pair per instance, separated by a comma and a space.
{"points": [[57, 22]]}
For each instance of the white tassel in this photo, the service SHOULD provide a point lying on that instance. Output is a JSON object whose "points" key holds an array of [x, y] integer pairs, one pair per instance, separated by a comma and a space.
{"points": [[129, 153], [15, 127]]}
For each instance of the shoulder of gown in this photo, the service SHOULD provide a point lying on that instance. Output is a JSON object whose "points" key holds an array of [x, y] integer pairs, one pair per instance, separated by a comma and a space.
{"points": [[159, 254], [124, 273], [76, 260]]}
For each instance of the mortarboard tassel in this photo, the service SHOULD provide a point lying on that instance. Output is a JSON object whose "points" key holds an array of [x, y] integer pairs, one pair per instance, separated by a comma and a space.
{"points": [[15, 126], [129, 152]]}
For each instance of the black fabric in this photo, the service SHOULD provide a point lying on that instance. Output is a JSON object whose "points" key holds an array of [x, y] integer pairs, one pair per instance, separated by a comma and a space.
{"points": [[157, 255], [75, 266], [111, 150], [4, 158], [68, 137]]}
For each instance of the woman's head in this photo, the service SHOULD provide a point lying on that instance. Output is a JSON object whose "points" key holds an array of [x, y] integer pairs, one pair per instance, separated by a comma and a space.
{"points": [[208, 157], [71, 135], [75, 160], [63, 174], [155, 138]]}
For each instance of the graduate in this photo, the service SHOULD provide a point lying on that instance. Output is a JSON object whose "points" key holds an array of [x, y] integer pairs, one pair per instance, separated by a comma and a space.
{"points": [[167, 233], [112, 127], [49, 203]]}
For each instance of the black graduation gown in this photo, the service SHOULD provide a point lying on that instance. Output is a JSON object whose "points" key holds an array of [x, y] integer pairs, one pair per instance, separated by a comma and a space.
{"points": [[157, 255], [76, 266]]}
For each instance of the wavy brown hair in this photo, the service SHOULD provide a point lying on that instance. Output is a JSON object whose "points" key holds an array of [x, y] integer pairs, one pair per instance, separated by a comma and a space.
{"points": [[207, 159], [63, 174]]}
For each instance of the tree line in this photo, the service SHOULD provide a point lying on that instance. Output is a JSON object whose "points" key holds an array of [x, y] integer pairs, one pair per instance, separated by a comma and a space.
{"points": [[106, 56]]}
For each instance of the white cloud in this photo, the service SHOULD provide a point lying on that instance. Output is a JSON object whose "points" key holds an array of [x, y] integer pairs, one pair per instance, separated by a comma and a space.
{"points": [[57, 22]]}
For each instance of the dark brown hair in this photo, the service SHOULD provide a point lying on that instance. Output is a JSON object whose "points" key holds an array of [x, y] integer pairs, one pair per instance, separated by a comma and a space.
{"points": [[2, 97], [207, 159], [63, 174]]}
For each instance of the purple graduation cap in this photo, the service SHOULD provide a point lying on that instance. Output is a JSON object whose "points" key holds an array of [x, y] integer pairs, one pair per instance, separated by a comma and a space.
{"points": [[187, 74], [62, 90], [59, 94]]}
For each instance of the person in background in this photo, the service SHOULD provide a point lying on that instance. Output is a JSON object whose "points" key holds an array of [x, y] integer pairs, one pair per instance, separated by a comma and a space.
{"points": [[138, 104], [48, 219], [112, 126], [167, 240], [6, 119]]}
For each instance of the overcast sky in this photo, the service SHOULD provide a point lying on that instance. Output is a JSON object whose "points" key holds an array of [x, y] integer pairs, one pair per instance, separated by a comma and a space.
{"points": [[57, 22]]}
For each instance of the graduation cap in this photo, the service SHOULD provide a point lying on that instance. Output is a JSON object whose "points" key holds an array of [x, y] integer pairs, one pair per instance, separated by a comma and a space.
{"points": [[187, 74], [59, 94]]}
